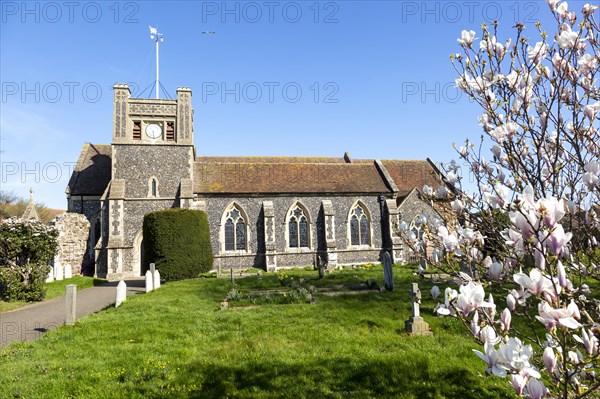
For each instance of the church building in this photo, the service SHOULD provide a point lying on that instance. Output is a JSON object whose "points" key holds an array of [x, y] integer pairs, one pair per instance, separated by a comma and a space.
{"points": [[264, 212]]}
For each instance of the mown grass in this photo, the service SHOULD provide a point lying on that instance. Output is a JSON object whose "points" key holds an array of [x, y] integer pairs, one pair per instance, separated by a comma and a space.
{"points": [[54, 289], [175, 342]]}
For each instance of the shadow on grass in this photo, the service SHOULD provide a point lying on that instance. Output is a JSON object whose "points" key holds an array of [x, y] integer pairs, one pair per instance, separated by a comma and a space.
{"points": [[337, 378]]}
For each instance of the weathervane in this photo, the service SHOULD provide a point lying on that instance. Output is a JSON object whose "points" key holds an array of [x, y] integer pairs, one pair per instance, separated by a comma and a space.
{"points": [[157, 37]]}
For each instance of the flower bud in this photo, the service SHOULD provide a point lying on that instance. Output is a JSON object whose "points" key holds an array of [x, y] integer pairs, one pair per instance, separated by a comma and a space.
{"points": [[549, 359]]}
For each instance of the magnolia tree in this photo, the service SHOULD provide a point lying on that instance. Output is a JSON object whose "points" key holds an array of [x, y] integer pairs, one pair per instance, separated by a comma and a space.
{"points": [[26, 248], [529, 232]]}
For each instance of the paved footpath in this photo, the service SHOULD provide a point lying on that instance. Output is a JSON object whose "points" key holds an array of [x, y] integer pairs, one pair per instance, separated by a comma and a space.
{"points": [[32, 321]]}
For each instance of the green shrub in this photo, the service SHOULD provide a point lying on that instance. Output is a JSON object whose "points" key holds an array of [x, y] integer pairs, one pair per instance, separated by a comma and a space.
{"points": [[177, 241], [26, 248]]}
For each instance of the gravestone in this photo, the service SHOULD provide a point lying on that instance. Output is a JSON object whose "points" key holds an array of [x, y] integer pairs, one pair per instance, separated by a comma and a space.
{"points": [[388, 273], [156, 276], [149, 282], [415, 325], [71, 305], [152, 268], [232, 276], [50, 277], [121, 293], [424, 264], [58, 271]]}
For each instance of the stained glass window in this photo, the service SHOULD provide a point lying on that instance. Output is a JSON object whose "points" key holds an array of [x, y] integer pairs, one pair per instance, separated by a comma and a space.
{"points": [[359, 227], [240, 235], [235, 231], [298, 229], [229, 234], [354, 237], [293, 232], [364, 230], [303, 232]]}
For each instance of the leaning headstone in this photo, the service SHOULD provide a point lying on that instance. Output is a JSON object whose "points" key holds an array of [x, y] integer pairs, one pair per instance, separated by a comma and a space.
{"points": [[388, 273], [149, 282], [415, 325], [121, 293], [71, 305], [156, 276]]}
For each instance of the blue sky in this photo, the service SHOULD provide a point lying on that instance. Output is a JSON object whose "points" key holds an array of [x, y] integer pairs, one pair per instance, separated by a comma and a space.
{"points": [[312, 78]]}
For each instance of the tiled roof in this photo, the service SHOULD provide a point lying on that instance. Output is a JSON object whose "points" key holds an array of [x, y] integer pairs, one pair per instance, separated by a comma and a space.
{"points": [[412, 174], [236, 175], [92, 172], [258, 159]]}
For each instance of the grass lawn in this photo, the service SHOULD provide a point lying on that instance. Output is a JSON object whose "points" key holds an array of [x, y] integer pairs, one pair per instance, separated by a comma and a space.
{"points": [[176, 342], [54, 289]]}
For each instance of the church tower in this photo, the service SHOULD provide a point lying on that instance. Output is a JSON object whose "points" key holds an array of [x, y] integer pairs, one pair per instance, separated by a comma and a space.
{"points": [[152, 169]]}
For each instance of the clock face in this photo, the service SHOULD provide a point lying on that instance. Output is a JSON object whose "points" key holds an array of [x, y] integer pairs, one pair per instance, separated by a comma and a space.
{"points": [[153, 131]]}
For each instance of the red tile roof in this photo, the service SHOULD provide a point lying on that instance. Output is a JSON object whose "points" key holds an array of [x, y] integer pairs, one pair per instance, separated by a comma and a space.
{"points": [[412, 174], [289, 176]]}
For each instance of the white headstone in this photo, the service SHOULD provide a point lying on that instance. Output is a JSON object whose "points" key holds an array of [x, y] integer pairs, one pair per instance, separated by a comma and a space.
{"points": [[68, 272], [388, 274], [50, 277], [58, 271], [71, 305], [149, 282], [121, 293], [156, 277]]}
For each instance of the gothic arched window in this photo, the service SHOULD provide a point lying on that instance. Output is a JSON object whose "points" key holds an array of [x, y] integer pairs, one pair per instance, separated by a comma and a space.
{"points": [[235, 230], [359, 226], [298, 228]]}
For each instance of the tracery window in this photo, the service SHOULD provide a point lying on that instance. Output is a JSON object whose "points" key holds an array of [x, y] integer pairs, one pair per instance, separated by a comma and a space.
{"points": [[235, 230], [298, 228], [359, 226]]}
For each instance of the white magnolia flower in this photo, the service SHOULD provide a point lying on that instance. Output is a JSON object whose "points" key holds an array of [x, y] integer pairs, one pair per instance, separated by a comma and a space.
{"points": [[567, 38], [471, 298], [466, 38], [563, 317], [492, 359]]}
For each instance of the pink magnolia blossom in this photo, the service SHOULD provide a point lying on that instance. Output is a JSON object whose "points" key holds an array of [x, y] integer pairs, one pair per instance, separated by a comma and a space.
{"points": [[552, 210], [589, 342], [536, 389], [505, 319], [471, 297], [518, 382], [558, 239], [551, 318], [492, 360], [513, 353], [511, 302], [549, 359], [536, 283], [562, 275], [488, 335]]}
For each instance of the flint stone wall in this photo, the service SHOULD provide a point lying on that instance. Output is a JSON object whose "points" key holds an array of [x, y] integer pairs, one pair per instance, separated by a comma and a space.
{"points": [[73, 234]]}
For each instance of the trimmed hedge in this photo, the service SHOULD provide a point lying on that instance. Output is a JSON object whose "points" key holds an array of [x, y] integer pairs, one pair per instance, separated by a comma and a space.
{"points": [[177, 241]]}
